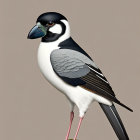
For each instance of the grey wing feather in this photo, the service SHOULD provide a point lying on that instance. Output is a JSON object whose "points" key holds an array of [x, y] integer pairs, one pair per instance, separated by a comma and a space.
{"points": [[70, 63]]}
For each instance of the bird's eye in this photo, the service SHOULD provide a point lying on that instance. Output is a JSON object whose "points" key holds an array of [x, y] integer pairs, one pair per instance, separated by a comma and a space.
{"points": [[50, 24]]}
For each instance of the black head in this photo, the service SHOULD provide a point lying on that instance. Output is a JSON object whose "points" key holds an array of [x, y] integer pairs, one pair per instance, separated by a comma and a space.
{"points": [[49, 26], [50, 17]]}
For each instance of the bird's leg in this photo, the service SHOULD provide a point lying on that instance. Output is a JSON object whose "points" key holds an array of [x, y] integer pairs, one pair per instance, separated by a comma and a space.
{"points": [[71, 119], [80, 121]]}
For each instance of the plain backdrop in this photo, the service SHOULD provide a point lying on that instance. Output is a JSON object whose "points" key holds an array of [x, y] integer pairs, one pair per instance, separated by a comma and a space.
{"points": [[30, 108]]}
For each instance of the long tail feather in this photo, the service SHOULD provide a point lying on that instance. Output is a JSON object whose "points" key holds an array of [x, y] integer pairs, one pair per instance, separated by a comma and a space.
{"points": [[115, 121]]}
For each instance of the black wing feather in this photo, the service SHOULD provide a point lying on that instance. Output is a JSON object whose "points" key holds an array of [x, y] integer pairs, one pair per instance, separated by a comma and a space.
{"points": [[93, 79]]}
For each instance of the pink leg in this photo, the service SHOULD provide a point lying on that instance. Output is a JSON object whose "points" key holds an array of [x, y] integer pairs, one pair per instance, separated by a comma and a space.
{"points": [[80, 121], [71, 119]]}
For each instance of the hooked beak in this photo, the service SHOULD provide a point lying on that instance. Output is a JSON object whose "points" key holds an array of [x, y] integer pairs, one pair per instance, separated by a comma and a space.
{"points": [[37, 31]]}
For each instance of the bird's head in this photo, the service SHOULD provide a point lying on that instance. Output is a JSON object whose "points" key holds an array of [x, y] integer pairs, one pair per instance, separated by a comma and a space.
{"points": [[50, 27]]}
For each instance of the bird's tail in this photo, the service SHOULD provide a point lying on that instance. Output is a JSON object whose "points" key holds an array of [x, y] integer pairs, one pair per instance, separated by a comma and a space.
{"points": [[115, 121]]}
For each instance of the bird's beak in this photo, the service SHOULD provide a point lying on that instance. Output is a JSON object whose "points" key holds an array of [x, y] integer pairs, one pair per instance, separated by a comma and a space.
{"points": [[37, 31]]}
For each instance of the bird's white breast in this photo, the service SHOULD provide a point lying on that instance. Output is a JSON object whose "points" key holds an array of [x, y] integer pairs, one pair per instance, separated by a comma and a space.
{"points": [[44, 53]]}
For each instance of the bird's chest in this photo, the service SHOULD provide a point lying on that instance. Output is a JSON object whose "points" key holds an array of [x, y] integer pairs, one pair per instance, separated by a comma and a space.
{"points": [[44, 52]]}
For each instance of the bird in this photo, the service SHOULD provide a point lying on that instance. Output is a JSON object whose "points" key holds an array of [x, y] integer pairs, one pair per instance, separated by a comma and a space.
{"points": [[72, 71]]}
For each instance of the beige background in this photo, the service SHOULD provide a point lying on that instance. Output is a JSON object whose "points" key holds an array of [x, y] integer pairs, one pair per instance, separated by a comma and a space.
{"points": [[30, 108]]}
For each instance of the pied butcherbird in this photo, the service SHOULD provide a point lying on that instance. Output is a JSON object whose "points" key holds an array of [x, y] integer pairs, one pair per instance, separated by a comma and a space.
{"points": [[72, 71]]}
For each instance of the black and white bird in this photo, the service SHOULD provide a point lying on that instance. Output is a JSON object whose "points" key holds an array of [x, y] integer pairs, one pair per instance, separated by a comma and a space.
{"points": [[72, 71]]}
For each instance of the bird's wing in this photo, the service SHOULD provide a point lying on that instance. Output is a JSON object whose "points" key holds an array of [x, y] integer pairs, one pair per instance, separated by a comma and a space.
{"points": [[77, 69]]}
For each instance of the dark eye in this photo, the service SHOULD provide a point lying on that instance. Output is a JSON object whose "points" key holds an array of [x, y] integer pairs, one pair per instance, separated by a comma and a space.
{"points": [[50, 24]]}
